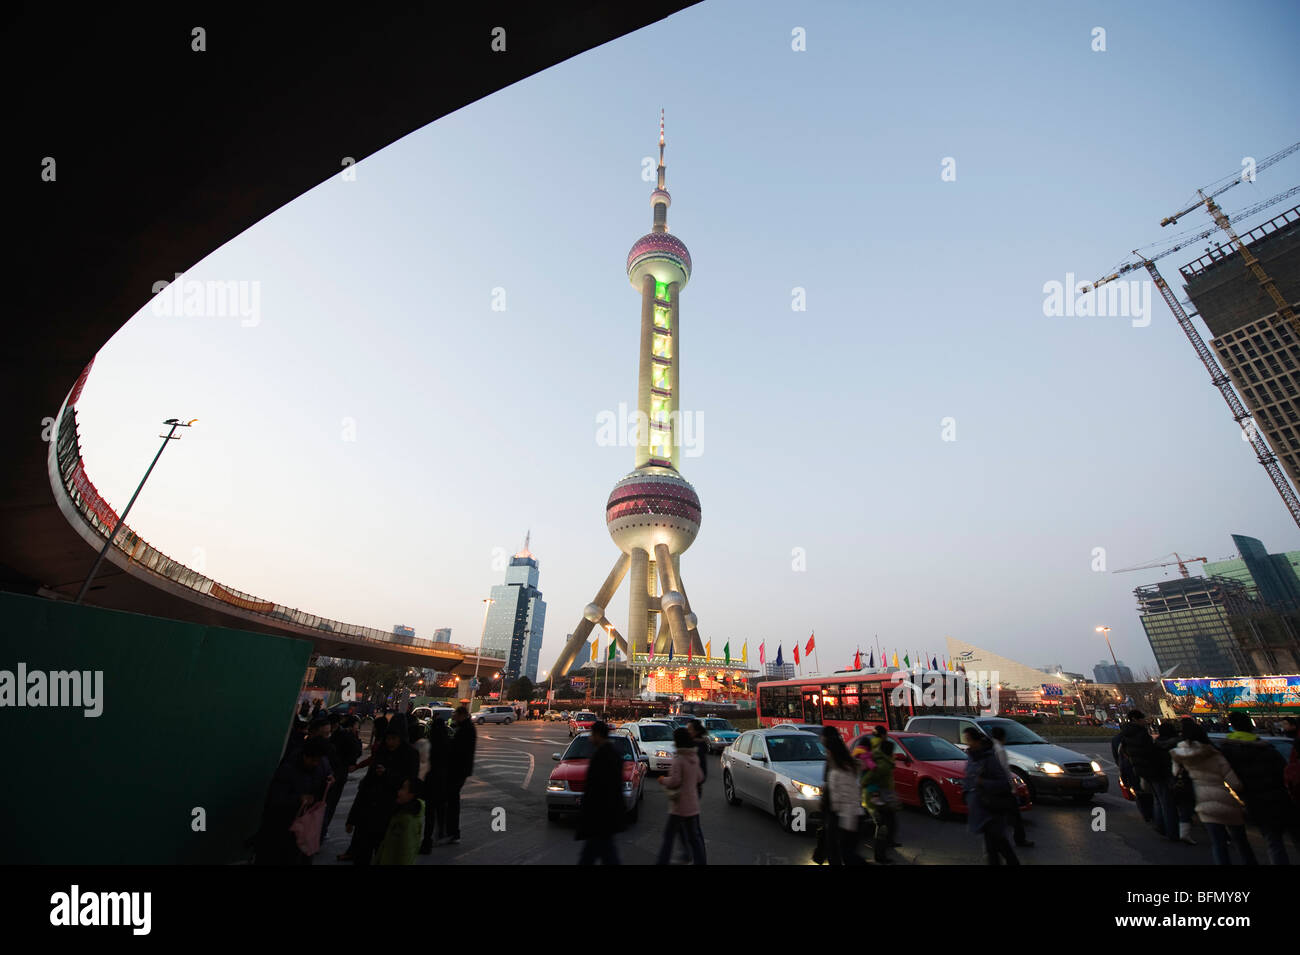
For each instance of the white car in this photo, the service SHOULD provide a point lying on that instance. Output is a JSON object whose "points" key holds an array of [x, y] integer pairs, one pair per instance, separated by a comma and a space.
{"points": [[495, 714], [655, 740]]}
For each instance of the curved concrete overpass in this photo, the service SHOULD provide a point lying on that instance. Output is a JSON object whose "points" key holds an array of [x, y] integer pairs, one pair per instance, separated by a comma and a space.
{"points": [[135, 156]]}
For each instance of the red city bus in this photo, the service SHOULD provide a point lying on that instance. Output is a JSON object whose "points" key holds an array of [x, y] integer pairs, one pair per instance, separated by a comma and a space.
{"points": [[857, 703]]}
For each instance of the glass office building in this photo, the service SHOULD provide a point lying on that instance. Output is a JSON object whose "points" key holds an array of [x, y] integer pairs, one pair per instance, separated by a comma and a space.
{"points": [[516, 618]]}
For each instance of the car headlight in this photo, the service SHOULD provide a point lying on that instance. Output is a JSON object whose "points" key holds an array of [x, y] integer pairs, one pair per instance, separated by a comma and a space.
{"points": [[664, 754], [1096, 767], [806, 790], [556, 785], [1050, 768]]}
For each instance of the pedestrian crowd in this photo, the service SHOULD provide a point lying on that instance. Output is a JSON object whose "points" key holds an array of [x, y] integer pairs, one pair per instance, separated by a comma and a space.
{"points": [[407, 801], [1178, 773]]}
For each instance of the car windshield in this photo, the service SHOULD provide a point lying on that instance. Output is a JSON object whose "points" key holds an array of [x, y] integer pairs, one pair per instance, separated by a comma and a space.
{"points": [[716, 724], [794, 748], [655, 732], [584, 717], [1016, 733], [582, 747], [928, 748]]}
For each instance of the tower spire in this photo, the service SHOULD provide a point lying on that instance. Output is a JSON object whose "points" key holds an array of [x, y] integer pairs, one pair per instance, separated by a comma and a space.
{"points": [[660, 199]]}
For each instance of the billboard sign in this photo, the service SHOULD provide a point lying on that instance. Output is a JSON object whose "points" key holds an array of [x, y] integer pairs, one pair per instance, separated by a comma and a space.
{"points": [[1209, 695]]}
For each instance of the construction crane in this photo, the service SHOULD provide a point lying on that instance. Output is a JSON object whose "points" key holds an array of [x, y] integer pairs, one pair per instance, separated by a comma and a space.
{"points": [[1231, 181], [1218, 377], [1182, 563]]}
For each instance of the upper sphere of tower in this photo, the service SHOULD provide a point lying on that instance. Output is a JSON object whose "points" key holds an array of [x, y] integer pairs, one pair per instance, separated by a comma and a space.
{"points": [[662, 255], [653, 505]]}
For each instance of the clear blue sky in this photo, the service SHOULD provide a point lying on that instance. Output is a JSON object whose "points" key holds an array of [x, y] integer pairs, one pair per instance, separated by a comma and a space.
{"points": [[822, 429]]}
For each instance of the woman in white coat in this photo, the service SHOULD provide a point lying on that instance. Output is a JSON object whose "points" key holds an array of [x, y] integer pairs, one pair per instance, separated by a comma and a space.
{"points": [[1217, 793]]}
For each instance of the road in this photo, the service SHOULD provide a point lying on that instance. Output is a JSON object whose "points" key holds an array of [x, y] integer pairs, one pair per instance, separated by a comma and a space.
{"points": [[503, 821]]}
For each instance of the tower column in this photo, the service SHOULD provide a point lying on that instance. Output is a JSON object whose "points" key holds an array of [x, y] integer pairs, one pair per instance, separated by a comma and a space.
{"points": [[644, 369], [583, 630], [638, 616], [674, 376]]}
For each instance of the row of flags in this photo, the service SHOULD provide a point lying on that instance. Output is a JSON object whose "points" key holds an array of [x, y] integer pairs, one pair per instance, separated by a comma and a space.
{"points": [[935, 662]]}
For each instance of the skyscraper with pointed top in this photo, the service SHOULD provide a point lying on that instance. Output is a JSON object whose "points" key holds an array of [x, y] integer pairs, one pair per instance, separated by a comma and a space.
{"points": [[653, 514], [516, 617]]}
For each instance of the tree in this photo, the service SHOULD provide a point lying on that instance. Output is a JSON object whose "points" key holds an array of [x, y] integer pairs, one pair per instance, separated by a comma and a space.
{"points": [[521, 689]]}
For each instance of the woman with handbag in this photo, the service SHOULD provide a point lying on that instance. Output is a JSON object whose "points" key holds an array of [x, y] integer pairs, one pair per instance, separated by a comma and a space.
{"points": [[989, 798], [1218, 805]]}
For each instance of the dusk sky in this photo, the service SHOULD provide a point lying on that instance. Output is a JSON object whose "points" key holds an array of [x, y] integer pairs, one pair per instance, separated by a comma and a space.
{"points": [[377, 438]]}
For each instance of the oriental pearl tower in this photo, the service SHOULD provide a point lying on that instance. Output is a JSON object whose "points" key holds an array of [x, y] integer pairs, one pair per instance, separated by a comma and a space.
{"points": [[653, 514]]}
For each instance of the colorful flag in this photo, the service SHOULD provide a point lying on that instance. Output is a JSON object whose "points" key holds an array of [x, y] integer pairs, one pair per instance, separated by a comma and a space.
{"points": [[649, 648], [779, 661], [857, 660], [895, 663], [812, 644], [934, 663], [708, 650], [690, 649], [670, 650], [762, 652], [796, 653], [613, 648], [595, 649], [907, 662], [726, 652], [871, 663], [744, 652]]}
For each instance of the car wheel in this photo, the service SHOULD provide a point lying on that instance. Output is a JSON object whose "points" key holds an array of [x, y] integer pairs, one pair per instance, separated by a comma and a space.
{"points": [[507, 721], [552, 816], [729, 789], [784, 815], [933, 801]]}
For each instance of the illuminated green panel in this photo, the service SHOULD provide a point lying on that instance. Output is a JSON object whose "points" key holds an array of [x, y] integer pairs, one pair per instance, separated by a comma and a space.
{"points": [[661, 291]]}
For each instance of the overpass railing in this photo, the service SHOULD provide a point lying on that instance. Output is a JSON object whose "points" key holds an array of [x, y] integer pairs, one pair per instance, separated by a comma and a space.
{"points": [[101, 517]]}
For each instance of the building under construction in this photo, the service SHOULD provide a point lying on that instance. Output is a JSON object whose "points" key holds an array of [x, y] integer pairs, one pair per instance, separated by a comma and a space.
{"points": [[1246, 624], [1257, 347]]}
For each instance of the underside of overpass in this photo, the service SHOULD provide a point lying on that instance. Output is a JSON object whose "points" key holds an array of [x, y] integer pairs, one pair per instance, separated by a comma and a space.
{"points": [[160, 154]]}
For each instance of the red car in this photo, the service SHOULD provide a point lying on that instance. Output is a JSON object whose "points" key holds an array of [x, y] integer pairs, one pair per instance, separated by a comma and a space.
{"points": [[568, 780], [929, 772], [580, 722]]}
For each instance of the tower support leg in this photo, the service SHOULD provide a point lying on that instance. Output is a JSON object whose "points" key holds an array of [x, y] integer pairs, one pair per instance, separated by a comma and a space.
{"points": [[676, 615], [638, 617], [583, 629]]}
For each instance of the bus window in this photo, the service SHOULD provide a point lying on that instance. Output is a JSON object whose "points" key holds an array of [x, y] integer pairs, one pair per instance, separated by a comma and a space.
{"points": [[789, 706], [849, 705], [766, 700], [831, 706], [897, 707], [871, 707], [811, 705]]}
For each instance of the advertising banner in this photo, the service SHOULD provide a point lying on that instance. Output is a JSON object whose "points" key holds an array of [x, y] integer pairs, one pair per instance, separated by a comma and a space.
{"points": [[1209, 695]]}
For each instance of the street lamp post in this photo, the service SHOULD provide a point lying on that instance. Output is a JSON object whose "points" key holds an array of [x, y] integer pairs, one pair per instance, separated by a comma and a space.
{"points": [[121, 520]]}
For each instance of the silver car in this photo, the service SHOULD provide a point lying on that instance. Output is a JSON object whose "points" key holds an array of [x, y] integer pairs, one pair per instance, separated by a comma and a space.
{"points": [[778, 770], [495, 714]]}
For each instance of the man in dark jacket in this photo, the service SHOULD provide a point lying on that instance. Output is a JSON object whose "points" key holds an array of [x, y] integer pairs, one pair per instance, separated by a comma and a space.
{"points": [[601, 814], [298, 782], [1152, 765], [435, 785], [1260, 767], [393, 763], [347, 751], [460, 766]]}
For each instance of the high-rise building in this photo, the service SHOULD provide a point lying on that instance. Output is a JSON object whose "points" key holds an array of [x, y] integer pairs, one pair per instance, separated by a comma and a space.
{"points": [[403, 634], [516, 618], [783, 672], [653, 514], [442, 635], [1257, 348], [1116, 672], [1241, 619]]}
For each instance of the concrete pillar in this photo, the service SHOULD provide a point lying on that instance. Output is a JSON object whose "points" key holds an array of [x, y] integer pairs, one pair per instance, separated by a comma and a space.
{"points": [[638, 617], [675, 377], [697, 642], [643, 376], [675, 614]]}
